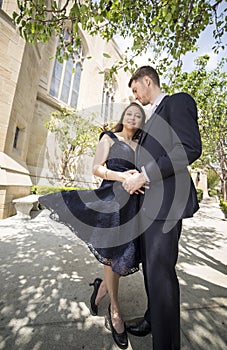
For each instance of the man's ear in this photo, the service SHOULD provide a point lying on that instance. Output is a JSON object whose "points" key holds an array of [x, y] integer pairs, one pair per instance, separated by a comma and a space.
{"points": [[147, 80]]}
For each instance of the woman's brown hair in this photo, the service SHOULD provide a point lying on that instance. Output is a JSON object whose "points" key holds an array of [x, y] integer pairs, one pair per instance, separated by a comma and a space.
{"points": [[119, 126]]}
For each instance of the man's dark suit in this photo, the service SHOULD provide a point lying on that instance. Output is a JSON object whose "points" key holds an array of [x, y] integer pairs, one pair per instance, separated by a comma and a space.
{"points": [[170, 142]]}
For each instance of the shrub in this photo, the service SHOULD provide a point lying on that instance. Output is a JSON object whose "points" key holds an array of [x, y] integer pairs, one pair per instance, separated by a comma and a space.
{"points": [[52, 189], [223, 205], [213, 192], [199, 194], [212, 179]]}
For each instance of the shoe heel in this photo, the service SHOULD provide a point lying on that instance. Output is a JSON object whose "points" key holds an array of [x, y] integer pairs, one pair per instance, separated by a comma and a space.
{"points": [[96, 284], [107, 323]]}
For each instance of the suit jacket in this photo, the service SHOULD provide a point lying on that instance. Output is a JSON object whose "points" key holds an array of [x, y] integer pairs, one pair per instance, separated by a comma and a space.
{"points": [[169, 143]]}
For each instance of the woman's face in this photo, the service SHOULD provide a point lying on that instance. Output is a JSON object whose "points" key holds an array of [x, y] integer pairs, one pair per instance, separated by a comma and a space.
{"points": [[133, 118]]}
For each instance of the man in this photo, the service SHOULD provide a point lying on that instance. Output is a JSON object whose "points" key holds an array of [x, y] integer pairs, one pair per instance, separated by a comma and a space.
{"points": [[169, 143]]}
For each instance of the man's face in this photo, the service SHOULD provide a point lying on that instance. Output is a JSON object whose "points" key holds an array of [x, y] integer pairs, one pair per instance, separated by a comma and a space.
{"points": [[141, 90]]}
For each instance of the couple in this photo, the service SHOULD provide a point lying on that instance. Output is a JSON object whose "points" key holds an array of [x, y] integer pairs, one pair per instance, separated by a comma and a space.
{"points": [[136, 214]]}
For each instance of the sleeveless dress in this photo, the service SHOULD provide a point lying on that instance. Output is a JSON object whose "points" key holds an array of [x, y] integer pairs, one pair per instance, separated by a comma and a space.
{"points": [[106, 219]]}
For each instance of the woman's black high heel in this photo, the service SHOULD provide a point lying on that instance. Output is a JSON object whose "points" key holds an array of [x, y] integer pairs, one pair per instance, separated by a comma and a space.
{"points": [[94, 308], [121, 339]]}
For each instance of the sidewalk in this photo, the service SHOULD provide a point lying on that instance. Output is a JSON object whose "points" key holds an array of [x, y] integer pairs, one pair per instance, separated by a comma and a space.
{"points": [[44, 287]]}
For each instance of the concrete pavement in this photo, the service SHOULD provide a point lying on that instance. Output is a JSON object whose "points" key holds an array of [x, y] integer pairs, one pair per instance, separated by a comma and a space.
{"points": [[44, 287]]}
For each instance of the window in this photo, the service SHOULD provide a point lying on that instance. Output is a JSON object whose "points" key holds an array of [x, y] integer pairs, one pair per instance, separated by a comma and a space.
{"points": [[16, 135], [65, 81], [107, 101], [1, 1]]}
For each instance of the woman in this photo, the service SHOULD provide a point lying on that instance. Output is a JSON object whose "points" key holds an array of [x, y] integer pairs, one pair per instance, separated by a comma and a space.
{"points": [[106, 218]]}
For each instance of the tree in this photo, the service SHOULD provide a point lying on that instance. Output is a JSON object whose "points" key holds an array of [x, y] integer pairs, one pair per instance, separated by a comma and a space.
{"points": [[76, 136], [172, 26], [209, 88], [212, 180]]}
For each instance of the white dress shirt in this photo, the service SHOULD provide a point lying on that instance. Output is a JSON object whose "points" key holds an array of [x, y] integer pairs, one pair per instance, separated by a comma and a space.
{"points": [[157, 102]]}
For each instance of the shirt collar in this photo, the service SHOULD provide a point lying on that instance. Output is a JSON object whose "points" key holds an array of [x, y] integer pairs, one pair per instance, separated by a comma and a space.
{"points": [[157, 102]]}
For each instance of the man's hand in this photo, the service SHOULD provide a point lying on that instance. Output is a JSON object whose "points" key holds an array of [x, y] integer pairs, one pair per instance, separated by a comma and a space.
{"points": [[134, 183]]}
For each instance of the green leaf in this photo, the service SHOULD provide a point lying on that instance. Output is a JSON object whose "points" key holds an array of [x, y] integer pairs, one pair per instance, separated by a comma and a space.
{"points": [[169, 17], [106, 55]]}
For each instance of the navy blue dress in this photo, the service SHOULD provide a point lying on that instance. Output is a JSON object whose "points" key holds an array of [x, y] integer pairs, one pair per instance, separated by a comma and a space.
{"points": [[106, 219]]}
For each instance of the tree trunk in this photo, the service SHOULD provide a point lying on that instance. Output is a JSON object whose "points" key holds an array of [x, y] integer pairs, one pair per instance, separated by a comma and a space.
{"points": [[224, 190]]}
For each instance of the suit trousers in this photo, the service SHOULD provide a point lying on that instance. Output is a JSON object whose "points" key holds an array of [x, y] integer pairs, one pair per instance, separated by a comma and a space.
{"points": [[159, 253]]}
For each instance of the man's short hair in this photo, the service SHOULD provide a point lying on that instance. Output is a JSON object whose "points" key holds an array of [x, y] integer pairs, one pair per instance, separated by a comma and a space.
{"points": [[145, 70]]}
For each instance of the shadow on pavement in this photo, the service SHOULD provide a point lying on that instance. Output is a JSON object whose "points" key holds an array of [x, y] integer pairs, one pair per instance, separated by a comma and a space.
{"points": [[202, 275], [44, 289]]}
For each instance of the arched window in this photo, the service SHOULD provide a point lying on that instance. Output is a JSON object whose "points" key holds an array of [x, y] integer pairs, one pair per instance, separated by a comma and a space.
{"points": [[108, 101], [65, 82]]}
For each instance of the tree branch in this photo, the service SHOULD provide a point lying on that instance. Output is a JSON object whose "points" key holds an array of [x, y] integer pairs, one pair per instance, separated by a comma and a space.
{"points": [[216, 4]]}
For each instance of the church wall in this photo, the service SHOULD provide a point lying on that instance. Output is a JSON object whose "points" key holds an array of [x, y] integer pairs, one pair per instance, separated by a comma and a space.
{"points": [[11, 57], [25, 104], [11, 53]]}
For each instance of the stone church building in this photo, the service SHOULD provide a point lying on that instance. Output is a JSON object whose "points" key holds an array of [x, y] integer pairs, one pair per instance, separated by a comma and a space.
{"points": [[32, 87]]}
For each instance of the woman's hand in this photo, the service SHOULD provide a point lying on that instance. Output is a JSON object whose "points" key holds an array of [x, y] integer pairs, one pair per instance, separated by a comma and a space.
{"points": [[127, 174]]}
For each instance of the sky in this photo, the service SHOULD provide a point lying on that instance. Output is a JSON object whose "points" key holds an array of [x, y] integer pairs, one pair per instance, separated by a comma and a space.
{"points": [[205, 44]]}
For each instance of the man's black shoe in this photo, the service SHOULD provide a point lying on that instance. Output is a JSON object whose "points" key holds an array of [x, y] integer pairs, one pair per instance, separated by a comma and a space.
{"points": [[139, 329]]}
